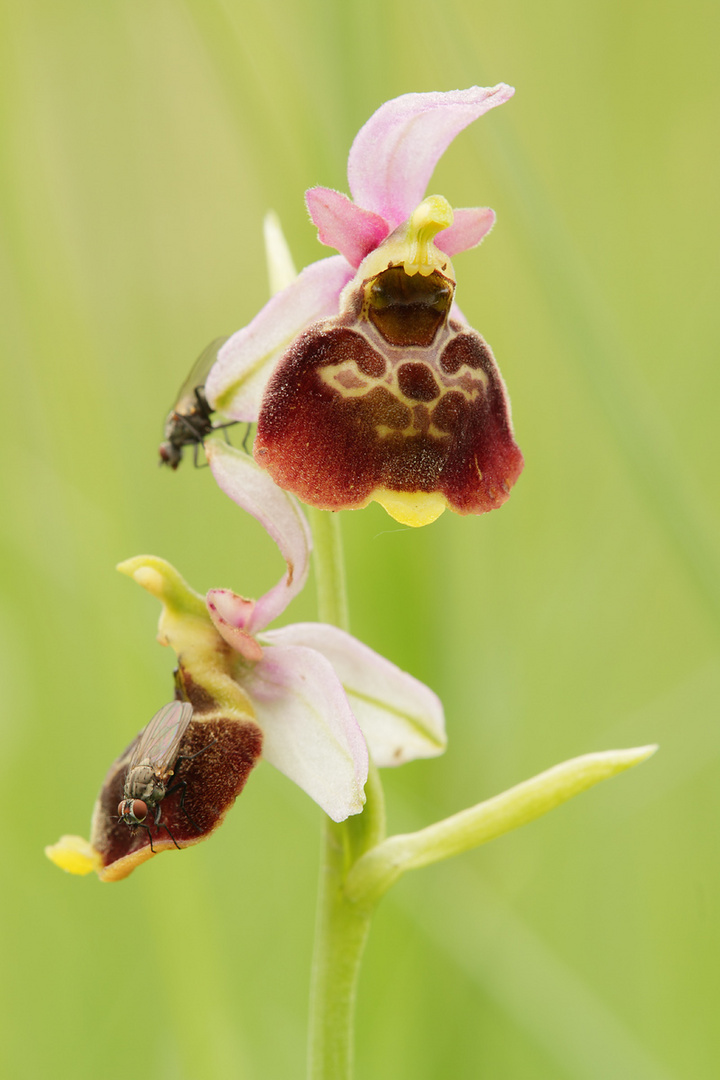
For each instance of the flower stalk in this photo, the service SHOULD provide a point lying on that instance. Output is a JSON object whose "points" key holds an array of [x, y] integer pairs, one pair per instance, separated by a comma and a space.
{"points": [[329, 566], [359, 864], [342, 926], [341, 931]]}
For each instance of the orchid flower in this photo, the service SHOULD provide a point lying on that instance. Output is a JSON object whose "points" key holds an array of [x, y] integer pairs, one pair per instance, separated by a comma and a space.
{"points": [[310, 697], [365, 379]]}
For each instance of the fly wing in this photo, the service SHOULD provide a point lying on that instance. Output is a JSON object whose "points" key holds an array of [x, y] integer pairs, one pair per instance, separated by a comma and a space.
{"points": [[159, 742], [197, 375]]}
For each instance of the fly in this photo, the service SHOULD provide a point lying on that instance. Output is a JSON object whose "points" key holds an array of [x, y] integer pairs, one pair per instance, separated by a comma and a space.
{"points": [[189, 422], [152, 764]]}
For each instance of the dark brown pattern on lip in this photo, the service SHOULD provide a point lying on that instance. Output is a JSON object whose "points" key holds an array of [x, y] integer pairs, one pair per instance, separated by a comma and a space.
{"points": [[408, 310], [212, 780], [333, 431]]}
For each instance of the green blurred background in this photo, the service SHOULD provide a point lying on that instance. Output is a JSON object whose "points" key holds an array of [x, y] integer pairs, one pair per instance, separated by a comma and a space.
{"points": [[142, 143]]}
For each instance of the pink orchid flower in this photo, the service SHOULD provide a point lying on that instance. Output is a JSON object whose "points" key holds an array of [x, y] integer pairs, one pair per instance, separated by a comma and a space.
{"points": [[309, 698], [363, 374]]}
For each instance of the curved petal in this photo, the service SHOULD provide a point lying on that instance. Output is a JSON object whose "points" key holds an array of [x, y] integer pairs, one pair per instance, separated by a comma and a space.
{"points": [[309, 731], [237, 380], [230, 613], [343, 225], [466, 231], [278, 512], [401, 718], [394, 154]]}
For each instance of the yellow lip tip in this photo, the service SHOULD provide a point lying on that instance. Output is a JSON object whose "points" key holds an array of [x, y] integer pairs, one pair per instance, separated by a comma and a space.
{"points": [[74, 855], [414, 508]]}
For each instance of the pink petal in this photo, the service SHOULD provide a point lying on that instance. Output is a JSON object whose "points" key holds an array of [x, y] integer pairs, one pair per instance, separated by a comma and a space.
{"points": [[230, 613], [278, 512], [309, 731], [341, 224], [457, 315], [466, 231], [237, 380], [394, 154], [401, 718]]}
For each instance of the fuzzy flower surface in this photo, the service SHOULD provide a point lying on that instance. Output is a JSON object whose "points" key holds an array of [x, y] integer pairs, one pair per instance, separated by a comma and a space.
{"points": [[365, 379], [309, 698]]}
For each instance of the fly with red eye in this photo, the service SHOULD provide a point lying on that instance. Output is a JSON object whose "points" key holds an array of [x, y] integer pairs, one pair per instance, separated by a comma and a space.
{"points": [[151, 766]]}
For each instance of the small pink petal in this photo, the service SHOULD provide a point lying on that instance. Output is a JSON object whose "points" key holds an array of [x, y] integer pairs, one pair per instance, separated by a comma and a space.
{"points": [[230, 613], [278, 512], [341, 224], [394, 154], [466, 231], [457, 315], [400, 717], [232, 609], [309, 731], [237, 380]]}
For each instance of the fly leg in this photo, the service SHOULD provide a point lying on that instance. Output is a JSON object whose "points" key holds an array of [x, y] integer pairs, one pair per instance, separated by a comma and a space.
{"points": [[139, 825], [196, 463], [149, 832], [164, 826], [181, 785], [223, 428], [189, 757]]}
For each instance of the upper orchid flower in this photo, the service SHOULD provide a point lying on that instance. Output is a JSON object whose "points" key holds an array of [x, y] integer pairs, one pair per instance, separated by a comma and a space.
{"points": [[365, 379], [309, 696]]}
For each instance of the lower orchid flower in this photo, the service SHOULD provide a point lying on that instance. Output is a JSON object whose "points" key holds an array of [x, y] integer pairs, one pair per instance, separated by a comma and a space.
{"points": [[364, 377], [309, 697]]}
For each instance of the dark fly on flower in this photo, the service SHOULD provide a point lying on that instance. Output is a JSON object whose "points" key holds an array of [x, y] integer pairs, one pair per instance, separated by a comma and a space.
{"points": [[152, 764], [189, 422]]}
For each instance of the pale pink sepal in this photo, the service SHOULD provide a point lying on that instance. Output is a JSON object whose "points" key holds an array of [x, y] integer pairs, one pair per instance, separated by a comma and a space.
{"points": [[278, 512], [394, 154], [401, 718], [457, 315], [309, 731], [467, 230], [230, 614], [237, 380], [343, 225]]}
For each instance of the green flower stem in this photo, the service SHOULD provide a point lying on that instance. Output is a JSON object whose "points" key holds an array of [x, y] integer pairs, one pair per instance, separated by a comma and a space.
{"points": [[359, 864], [342, 926], [373, 874], [341, 931], [329, 568]]}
